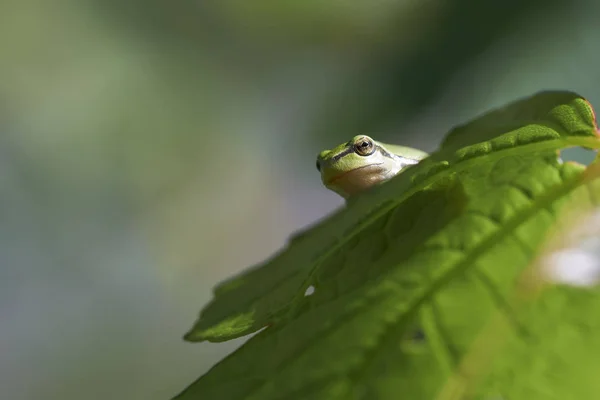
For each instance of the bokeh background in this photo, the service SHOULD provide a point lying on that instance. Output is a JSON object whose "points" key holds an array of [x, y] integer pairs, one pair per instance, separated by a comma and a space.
{"points": [[149, 149]]}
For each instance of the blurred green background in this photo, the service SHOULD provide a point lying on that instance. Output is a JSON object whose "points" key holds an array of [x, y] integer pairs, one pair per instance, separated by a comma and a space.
{"points": [[149, 149]]}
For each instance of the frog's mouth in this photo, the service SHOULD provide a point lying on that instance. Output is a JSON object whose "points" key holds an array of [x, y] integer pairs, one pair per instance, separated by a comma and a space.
{"points": [[358, 179], [348, 174]]}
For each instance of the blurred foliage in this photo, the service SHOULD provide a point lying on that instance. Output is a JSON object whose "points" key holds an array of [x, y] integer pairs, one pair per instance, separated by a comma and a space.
{"points": [[403, 53], [142, 141]]}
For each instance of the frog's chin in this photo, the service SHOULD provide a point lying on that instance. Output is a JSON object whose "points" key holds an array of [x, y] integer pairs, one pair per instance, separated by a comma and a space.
{"points": [[357, 180]]}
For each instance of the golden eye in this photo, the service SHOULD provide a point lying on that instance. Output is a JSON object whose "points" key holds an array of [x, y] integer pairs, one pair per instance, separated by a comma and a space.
{"points": [[364, 146]]}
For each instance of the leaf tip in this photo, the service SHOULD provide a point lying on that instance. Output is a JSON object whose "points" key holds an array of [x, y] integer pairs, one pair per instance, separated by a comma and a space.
{"points": [[193, 337], [221, 330], [593, 112]]}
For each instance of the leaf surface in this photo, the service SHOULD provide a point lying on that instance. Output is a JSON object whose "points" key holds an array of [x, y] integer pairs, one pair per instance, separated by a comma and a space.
{"points": [[357, 340], [351, 240]]}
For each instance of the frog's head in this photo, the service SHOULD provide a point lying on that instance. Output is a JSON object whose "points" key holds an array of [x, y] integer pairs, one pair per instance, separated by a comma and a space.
{"points": [[357, 165]]}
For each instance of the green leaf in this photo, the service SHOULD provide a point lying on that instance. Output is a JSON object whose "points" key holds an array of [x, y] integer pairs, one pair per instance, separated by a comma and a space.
{"points": [[440, 249], [264, 294], [544, 117]]}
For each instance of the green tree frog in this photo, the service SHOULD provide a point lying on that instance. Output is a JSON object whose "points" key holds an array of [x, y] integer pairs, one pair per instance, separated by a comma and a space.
{"points": [[355, 166]]}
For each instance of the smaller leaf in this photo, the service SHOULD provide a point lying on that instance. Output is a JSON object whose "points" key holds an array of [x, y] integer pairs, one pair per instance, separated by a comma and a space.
{"points": [[545, 115]]}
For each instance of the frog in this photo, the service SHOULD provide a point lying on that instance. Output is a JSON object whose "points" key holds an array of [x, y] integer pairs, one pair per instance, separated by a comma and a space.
{"points": [[361, 163]]}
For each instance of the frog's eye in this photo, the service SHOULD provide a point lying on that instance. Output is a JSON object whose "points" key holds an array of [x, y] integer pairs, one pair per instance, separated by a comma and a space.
{"points": [[318, 165], [364, 146]]}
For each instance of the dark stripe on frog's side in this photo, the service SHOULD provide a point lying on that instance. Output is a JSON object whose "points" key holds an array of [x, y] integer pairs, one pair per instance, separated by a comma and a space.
{"points": [[404, 160], [387, 154]]}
